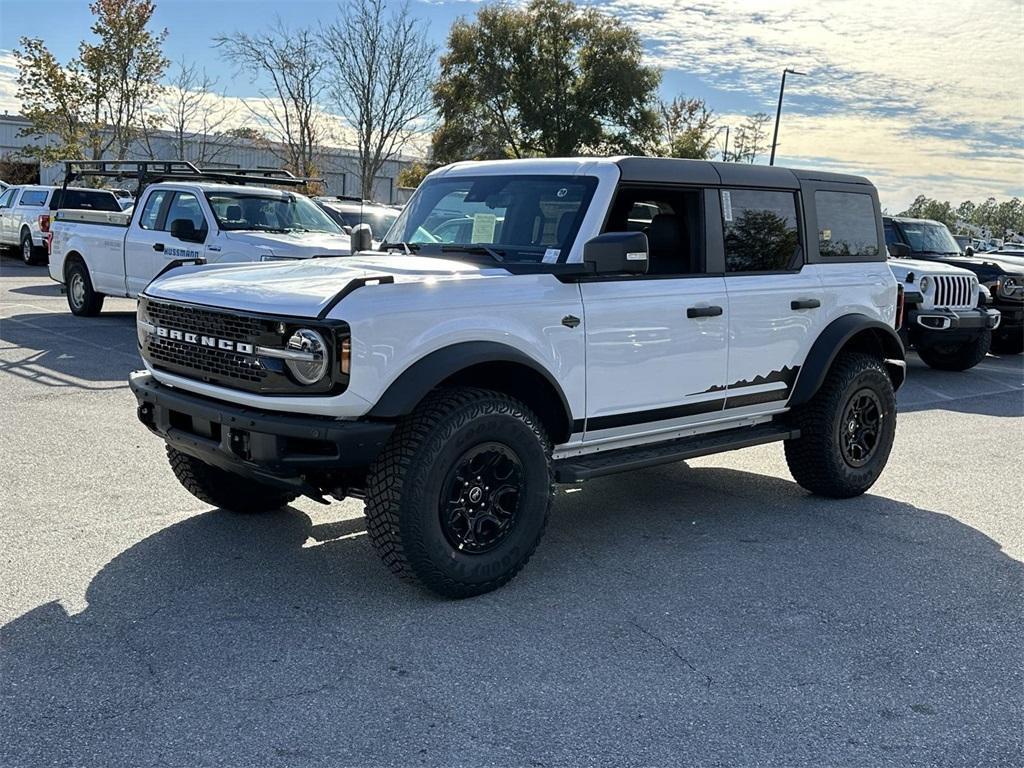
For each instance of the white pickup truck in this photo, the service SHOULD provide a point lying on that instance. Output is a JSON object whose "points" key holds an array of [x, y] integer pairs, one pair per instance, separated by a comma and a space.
{"points": [[97, 254]]}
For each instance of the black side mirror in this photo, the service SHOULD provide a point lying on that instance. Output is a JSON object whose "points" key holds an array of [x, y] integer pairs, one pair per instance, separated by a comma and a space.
{"points": [[362, 238], [184, 229], [616, 253], [899, 250], [969, 250]]}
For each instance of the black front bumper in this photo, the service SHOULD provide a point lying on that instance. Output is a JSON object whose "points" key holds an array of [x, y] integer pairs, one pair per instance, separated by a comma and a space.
{"points": [[268, 446], [944, 320]]}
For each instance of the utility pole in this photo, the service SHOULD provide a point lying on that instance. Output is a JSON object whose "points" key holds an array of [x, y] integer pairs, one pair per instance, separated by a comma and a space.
{"points": [[725, 150], [778, 111]]}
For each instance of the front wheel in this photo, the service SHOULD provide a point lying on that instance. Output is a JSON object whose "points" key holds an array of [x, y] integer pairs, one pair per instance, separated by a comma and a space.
{"points": [[224, 489], [459, 497], [1008, 341], [846, 429], [82, 299], [956, 356]]}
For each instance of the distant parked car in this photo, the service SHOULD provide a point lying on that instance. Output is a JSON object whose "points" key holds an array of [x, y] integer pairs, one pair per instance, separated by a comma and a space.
{"points": [[125, 198], [347, 212], [26, 213]]}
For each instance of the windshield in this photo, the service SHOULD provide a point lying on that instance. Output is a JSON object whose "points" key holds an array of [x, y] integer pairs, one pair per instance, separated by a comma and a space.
{"points": [[508, 218], [929, 238], [286, 212], [379, 219]]}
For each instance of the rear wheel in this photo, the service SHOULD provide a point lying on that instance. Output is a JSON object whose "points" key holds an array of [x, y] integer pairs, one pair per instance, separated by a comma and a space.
{"points": [[956, 356], [846, 429], [458, 499], [1008, 342], [82, 299], [224, 489], [30, 254]]}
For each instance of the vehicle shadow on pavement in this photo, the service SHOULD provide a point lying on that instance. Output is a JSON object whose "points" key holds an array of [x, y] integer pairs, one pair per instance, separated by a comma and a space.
{"points": [[674, 616], [61, 350], [981, 390]]}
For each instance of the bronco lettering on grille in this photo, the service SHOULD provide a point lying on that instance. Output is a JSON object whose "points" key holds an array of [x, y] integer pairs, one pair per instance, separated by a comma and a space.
{"points": [[204, 341]]}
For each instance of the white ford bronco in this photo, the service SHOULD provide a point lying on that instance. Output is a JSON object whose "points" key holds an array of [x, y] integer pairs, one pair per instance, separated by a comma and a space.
{"points": [[600, 315]]}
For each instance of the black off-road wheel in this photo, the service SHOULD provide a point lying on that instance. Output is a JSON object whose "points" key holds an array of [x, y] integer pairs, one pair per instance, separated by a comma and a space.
{"points": [[459, 498], [30, 254], [956, 356], [224, 489], [846, 429], [1008, 341], [82, 299]]}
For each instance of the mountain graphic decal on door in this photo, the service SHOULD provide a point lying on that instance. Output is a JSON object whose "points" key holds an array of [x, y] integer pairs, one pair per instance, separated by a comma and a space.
{"points": [[786, 375]]}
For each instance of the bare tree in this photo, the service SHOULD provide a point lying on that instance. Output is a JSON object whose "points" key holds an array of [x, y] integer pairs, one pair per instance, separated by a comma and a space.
{"points": [[751, 138], [289, 65], [688, 129], [382, 69], [197, 114]]}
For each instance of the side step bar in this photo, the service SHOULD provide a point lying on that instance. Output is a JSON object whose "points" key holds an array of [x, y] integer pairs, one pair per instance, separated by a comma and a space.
{"points": [[576, 468]]}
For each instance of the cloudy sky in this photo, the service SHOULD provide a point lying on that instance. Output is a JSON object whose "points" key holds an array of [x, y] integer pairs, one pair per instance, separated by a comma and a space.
{"points": [[922, 96]]}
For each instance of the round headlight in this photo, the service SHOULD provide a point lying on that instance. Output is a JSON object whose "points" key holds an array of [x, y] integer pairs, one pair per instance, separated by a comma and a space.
{"points": [[309, 363], [925, 284]]}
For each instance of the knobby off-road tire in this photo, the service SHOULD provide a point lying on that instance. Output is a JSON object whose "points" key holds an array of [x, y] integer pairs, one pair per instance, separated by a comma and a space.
{"points": [[459, 497], [1008, 342], [82, 299], [957, 357], [224, 489], [836, 454]]}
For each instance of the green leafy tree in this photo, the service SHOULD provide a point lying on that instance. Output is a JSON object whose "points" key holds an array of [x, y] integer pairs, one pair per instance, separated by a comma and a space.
{"points": [[688, 129], [546, 79], [412, 174]]}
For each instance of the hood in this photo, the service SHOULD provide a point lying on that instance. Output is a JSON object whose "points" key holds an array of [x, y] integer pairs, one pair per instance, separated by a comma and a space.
{"points": [[902, 267], [297, 288], [985, 266], [294, 244]]}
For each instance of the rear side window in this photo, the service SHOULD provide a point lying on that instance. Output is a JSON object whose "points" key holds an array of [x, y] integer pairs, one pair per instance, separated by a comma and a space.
{"points": [[151, 213], [34, 197], [846, 225], [761, 230], [85, 199]]}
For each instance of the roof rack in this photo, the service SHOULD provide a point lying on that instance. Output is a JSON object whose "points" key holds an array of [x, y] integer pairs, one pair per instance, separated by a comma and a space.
{"points": [[146, 172]]}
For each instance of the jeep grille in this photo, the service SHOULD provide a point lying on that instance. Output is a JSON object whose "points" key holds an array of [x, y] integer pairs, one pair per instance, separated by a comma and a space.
{"points": [[954, 291]]}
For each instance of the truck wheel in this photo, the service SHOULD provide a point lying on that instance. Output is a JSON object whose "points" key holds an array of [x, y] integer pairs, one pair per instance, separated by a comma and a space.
{"points": [[82, 299], [29, 253], [459, 497], [846, 429], [224, 489], [1008, 342], [956, 357]]}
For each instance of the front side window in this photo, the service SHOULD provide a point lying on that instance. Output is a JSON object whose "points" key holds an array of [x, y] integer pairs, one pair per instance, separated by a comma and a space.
{"points": [[260, 211], [151, 213], [518, 218], [185, 206], [6, 198], [891, 238], [671, 220], [846, 225], [761, 230], [34, 197]]}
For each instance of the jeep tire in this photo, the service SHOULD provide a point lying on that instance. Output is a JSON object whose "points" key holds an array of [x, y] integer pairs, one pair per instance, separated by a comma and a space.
{"points": [[846, 429], [224, 489], [1008, 341], [952, 356], [459, 497], [82, 299]]}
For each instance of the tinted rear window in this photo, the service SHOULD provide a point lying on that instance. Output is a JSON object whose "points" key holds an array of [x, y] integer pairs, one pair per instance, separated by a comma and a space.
{"points": [[33, 197], [87, 199], [846, 225]]}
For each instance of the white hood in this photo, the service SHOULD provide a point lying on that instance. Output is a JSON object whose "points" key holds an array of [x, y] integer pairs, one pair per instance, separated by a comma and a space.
{"points": [[902, 267], [297, 288], [300, 245]]}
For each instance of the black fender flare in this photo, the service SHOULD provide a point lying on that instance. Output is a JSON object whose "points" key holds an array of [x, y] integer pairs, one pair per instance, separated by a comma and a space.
{"points": [[831, 341], [405, 392]]}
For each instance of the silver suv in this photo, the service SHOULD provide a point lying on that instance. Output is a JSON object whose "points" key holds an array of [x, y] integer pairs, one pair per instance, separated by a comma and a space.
{"points": [[26, 213]]}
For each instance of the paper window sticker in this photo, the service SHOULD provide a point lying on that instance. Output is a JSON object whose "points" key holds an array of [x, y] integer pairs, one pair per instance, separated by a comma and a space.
{"points": [[826, 234], [726, 205], [483, 228], [551, 255]]}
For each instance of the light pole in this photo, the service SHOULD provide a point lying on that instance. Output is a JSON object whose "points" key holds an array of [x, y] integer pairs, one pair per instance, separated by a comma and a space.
{"points": [[778, 111]]}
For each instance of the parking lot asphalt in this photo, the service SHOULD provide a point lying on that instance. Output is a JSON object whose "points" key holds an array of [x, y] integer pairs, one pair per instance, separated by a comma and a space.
{"points": [[704, 614]]}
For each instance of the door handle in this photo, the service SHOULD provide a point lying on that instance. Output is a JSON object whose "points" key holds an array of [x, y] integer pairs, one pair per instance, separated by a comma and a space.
{"points": [[804, 304], [693, 312], [158, 246]]}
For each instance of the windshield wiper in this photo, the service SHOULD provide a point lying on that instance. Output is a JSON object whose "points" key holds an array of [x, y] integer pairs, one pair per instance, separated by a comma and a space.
{"points": [[407, 247], [275, 230], [483, 250]]}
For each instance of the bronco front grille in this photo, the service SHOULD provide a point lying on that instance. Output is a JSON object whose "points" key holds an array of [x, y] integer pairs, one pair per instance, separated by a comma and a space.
{"points": [[222, 347], [954, 291]]}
